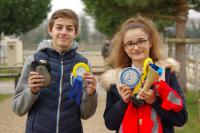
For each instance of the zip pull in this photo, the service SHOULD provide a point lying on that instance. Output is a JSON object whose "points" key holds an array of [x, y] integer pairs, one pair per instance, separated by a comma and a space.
{"points": [[61, 60]]}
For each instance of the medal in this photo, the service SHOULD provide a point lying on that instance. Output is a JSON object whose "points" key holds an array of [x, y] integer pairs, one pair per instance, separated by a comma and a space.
{"points": [[130, 76]]}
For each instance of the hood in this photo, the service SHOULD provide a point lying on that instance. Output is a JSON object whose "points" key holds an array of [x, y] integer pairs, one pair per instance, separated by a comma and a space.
{"points": [[112, 76], [47, 44], [173, 64]]}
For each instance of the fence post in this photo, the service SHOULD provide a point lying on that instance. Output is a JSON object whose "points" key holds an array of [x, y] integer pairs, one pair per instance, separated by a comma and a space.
{"points": [[199, 109], [197, 70], [16, 80]]}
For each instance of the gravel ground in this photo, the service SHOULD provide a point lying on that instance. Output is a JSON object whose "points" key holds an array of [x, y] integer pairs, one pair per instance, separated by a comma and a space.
{"points": [[7, 87], [11, 123]]}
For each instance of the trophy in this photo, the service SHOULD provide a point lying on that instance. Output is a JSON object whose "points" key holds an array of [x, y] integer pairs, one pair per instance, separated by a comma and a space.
{"points": [[150, 74], [42, 67]]}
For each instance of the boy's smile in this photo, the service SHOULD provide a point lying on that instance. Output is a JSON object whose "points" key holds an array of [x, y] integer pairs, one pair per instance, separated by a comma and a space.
{"points": [[63, 33]]}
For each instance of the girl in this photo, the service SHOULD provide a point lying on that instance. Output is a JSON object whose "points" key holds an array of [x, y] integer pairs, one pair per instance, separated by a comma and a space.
{"points": [[137, 40]]}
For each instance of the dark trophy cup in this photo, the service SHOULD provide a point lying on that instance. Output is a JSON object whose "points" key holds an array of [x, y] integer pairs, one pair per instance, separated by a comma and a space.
{"points": [[42, 67], [153, 74]]}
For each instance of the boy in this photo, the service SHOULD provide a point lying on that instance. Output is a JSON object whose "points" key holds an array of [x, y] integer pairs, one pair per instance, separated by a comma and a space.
{"points": [[50, 109]]}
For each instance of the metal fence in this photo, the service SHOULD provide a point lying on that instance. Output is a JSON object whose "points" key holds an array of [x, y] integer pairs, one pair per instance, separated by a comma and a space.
{"points": [[192, 60]]}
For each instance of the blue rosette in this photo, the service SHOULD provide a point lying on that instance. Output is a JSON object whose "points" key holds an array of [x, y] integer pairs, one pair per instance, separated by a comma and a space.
{"points": [[76, 80]]}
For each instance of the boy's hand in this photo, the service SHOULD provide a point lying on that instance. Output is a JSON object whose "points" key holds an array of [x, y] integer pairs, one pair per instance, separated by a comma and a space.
{"points": [[91, 83], [35, 81], [125, 93]]}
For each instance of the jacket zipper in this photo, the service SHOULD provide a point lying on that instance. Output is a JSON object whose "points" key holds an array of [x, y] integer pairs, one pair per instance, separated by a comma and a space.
{"points": [[59, 100]]}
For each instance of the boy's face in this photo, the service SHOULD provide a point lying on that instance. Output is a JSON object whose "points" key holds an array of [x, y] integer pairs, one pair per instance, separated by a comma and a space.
{"points": [[63, 33]]}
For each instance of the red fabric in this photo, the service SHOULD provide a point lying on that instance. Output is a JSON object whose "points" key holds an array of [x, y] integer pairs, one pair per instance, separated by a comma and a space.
{"points": [[164, 90], [138, 120], [130, 120]]}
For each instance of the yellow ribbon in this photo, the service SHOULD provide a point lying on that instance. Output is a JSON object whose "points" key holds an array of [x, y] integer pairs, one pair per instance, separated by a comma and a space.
{"points": [[143, 76]]}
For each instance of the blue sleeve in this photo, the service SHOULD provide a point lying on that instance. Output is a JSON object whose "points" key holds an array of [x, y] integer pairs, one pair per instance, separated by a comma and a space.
{"points": [[170, 117], [115, 109]]}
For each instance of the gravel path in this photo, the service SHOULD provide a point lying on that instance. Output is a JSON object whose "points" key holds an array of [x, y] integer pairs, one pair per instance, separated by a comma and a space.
{"points": [[7, 87], [11, 123]]}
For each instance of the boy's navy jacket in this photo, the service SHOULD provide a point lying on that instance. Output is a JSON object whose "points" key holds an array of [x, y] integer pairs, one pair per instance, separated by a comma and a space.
{"points": [[115, 107], [52, 110]]}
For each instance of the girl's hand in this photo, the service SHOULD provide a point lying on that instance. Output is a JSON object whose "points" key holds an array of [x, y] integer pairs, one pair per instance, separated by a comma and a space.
{"points": [[125, 93], [148, 95]]}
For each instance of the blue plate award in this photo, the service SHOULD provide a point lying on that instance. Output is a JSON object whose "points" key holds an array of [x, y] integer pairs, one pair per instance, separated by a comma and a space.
{"points": [[130, 76]]}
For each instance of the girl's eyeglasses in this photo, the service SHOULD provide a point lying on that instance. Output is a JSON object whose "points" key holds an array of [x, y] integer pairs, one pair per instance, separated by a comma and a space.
{"points": [[140, 43]]}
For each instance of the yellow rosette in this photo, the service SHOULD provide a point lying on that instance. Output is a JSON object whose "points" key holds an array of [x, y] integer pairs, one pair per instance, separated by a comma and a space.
{"points": [[77, 81], [79, 69]]}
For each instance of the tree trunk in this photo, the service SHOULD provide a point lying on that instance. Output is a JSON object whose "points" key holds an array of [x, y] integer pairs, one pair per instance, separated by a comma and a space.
{"points": [[181, 20]]}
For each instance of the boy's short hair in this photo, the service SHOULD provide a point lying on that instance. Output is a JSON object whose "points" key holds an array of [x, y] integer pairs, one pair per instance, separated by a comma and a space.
{"points": [[64, 13]]}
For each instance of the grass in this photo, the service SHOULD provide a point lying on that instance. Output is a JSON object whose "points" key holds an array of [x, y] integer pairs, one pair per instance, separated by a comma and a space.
{"points": [[5, 71], [192, 126], [6, 79], [4, 96]]}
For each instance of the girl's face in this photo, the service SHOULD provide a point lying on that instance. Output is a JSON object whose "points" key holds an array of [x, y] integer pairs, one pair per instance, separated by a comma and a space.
{"points": [[137, 45]]}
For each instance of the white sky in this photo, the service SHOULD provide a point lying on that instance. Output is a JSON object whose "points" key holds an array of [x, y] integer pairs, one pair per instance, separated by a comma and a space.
{"points": [[76, 5], [194, 14]]}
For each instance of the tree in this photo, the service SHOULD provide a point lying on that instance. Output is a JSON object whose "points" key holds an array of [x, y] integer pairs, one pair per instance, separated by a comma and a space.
{"points": [[84, 29], [32, 38], [110, 14], [20, 16]]}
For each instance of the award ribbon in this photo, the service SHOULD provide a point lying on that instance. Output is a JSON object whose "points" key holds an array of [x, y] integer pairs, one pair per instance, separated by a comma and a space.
{"points": [[77, 80], [144, 74]]}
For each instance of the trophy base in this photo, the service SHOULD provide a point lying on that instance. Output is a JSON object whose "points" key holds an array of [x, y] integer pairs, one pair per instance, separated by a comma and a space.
{"points": [[137, 102]]}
